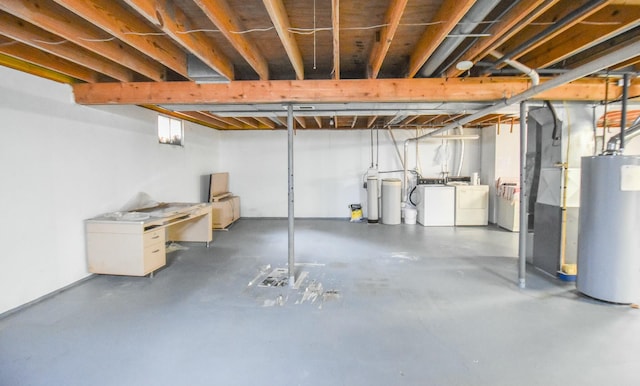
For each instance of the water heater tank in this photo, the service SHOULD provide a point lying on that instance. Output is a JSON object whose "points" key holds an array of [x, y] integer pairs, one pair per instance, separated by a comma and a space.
{"points": [[391, 201], [608, 242]]}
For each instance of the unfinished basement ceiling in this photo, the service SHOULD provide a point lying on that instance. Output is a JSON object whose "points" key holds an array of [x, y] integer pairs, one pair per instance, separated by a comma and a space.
{"points": [[262, 53]]}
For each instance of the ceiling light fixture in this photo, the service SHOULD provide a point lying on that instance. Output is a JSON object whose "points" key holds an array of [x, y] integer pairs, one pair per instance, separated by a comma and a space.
{"points": [[464, 65]]}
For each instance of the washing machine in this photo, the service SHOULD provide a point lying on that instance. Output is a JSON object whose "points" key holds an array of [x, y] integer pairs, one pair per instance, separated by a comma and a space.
{"points": [[435, 204]]}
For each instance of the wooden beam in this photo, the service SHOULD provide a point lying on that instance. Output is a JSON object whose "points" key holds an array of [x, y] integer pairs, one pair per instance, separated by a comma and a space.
{"points": [[510, 24], [560, 11], [371, 121], [55, 19], [335, 23], [318, 121], [221, 14], [283, 121], [448, 15], [619, 42], [266, 122], [118, 21], [46, 60], [609, 22], [232, 122], [301, 121], [21, 65], [280, 21], [353, 123], [168, 17], [483, 89], [633, 62], [250, 122], [214, 118], [29, 34], [191, 116], [380, 48]]}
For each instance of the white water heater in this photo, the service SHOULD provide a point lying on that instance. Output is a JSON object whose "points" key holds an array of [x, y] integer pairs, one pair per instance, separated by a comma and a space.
{"points": [[608, 242]]}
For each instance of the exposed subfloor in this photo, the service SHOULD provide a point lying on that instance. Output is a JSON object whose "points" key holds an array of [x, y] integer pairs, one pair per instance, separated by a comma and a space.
{"points": [[384, 305]]}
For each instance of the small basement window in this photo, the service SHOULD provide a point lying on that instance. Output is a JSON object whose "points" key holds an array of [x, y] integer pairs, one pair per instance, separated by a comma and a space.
{"points": [[170, 130]]}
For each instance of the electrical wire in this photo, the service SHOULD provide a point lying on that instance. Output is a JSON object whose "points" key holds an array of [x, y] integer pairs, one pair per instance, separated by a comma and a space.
{"points": [[304, 31]]}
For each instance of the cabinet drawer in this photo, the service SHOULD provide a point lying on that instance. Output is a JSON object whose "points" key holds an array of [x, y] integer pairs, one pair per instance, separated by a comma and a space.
{"points": [[154, 257], [153, 237]]}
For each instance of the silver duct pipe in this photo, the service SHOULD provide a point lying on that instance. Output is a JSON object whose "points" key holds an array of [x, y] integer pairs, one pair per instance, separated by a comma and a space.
{"points": [[613, 145], [467, 24], [623, 118]]}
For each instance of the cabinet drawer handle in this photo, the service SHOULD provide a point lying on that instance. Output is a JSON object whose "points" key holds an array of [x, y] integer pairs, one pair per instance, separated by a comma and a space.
{"points": [[156, 251], [156, 237]]}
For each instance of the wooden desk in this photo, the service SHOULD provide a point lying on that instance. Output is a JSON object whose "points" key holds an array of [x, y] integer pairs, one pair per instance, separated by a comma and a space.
{"points": [[133, 243]]}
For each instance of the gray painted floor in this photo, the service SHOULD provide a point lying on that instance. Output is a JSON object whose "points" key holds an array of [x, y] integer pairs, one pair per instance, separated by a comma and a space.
{"points": [[402, 305]]}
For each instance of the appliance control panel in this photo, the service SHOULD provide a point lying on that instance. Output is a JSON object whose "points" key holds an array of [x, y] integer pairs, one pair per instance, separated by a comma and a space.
{"points": [[430, 181]]}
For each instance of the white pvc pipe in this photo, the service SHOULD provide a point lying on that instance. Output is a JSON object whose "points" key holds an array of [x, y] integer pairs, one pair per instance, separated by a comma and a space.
{"points": [[528, 71]]}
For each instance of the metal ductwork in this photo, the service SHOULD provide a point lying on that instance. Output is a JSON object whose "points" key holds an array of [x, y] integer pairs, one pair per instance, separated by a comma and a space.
{"points": [[199, 72], [613, 145], [467, 24]]}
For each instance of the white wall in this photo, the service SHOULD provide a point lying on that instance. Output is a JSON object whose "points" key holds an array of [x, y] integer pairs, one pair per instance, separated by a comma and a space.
{"points": [[328, 170], [500, 159], [62, 163]]}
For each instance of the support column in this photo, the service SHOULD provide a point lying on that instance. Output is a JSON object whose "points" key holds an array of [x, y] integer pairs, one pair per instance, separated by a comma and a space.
{"points": [[524, 220], [292, 274]]}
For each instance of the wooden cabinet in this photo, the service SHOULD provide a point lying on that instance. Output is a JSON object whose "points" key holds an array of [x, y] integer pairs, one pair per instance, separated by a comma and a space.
{"points": [[121, 245]]}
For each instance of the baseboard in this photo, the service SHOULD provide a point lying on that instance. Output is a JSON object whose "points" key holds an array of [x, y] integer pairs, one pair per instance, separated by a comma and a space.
{"points": [[45, 297]]}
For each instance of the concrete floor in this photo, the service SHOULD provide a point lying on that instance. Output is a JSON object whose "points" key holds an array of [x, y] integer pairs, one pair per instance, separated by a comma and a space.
{"points": [[400, 305]]}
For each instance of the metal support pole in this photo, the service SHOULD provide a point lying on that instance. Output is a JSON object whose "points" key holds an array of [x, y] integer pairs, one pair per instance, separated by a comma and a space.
{"points": [[292, 274], [623, 117], [524, 220]]}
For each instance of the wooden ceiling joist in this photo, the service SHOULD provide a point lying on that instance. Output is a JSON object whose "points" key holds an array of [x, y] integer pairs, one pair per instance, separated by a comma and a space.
{"points": [[593, 53], [28, 34], [371, 121], [46, 60], [34, 69], [612, 20], [172, 20], [511, 24], [221, 14], [191, 116], [55, 19], [449, 14], [547, 21], [301, 121], [266, 122], [280, 20], [335, 24], [390, 26], [118, 21], [232, 122], [335, 91]]}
